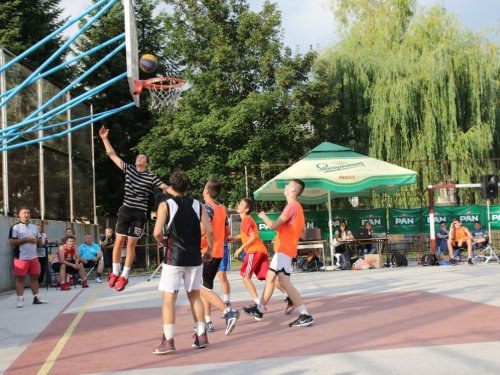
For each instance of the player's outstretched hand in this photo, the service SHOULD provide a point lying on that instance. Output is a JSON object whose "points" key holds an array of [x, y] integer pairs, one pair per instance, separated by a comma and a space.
{"points": [[103, 132]]}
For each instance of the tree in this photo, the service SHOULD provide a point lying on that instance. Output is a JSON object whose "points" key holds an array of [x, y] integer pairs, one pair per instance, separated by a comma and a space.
{"points": [[24, 23], [126, 127], [414, 84], [248, 101]]}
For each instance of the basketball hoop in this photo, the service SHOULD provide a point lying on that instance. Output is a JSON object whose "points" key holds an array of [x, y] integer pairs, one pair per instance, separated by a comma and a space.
{"points": [[165, 91]]}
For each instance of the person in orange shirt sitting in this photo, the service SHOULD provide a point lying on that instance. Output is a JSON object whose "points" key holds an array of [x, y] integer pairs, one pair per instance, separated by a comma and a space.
{"points": [[289, 226], [459, 238]]}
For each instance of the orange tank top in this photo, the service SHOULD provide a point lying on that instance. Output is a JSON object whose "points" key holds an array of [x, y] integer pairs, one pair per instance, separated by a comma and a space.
{"points": [[257, 246], [459, 234], [219, 224], [289, 233]]}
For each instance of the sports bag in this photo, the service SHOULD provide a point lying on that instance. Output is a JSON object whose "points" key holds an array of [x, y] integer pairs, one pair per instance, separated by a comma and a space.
{"points": [[343, 261], [398, 259], [429, 259]]}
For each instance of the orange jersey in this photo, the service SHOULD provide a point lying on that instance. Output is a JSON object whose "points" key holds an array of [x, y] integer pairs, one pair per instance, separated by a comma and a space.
{"points": [[219, 221], [460, 234], [248, 226], [289, 233]]}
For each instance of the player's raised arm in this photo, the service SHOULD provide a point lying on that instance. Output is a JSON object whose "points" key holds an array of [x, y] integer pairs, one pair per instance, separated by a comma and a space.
{"points": [[103, 133]]}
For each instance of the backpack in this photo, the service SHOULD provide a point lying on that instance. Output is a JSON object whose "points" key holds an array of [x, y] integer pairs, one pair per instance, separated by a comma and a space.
{"points": [[314, 265], [343, 261], [398, 260], [430, 259]]}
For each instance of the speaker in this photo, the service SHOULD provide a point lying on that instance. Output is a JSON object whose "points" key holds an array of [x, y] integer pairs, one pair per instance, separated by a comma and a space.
{"points": [[160, 196], [489, 186]]}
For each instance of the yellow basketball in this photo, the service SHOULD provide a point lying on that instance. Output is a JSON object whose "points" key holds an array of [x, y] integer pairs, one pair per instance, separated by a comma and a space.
{"points": [[148, 63]]}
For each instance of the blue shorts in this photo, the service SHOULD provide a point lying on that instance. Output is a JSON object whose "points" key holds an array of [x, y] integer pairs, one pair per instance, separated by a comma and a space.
{"points": [[224, 264]]}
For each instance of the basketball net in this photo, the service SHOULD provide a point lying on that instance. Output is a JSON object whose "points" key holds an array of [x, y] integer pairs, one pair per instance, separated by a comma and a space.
{"points": [[165, 92]]}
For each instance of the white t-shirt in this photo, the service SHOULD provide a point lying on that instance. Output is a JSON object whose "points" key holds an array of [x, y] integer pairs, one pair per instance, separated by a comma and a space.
{"points": [[19, 231]]}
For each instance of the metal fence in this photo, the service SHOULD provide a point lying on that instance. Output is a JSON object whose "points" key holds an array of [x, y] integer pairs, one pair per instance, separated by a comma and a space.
{"points": [[55, 178]]}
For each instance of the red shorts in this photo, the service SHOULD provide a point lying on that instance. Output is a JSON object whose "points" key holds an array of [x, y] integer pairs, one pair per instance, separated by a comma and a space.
{"points": [[25, 267], [255, 263]]}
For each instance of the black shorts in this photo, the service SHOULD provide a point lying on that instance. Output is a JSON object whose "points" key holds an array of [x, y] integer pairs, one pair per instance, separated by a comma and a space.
{"points": [[56, 267], [210, 270], [131, 222], [90, 263], [107, 255]]}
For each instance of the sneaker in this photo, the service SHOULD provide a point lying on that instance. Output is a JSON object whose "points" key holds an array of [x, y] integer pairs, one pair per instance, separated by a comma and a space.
{"points": [[228, 304], [255, 305], [98, 280], [253, 312], [112, 280], [210, 327], [166, 346], [65, 286], [470, 262], [20, 302], [453, 261], [231, 318], [200, 341], [290, 307], [121, 284], [38, 301], [302, 321], [85, 284]]}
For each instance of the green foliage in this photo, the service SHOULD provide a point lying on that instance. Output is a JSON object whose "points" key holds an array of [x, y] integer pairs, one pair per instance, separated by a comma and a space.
{"points": [[414, 84], [24, 23], [248, 102], [126, 127]]}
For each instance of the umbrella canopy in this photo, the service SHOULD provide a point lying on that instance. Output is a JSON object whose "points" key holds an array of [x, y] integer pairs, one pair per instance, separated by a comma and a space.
{"points": [[340, 171], [332, 171]]}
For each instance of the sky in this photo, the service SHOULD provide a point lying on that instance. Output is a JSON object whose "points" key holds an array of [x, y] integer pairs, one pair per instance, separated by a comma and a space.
{"points": [[310, 22]]}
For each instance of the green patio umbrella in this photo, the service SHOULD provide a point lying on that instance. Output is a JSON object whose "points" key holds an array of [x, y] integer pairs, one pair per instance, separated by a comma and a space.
{"points": [[332, 171]]}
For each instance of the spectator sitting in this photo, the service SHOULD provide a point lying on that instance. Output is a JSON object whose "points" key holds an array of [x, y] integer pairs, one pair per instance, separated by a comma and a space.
{"points": [[91, 255], [107, 244], [67, 260], [369, 249], [69, 232], [459, 238], [479, 236], [442, 239], [342, 234]]}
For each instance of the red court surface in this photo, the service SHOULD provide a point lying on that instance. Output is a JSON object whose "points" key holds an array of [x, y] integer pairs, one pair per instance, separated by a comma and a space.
{"points": [[119, 340]]}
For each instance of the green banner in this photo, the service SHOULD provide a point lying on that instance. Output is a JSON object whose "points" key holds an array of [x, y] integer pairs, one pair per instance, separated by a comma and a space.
{"points": [[401, 221], [407, 221], [319, 219]]}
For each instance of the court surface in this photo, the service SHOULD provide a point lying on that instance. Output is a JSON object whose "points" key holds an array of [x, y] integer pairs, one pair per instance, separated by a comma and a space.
{"points": [[411, 320]]}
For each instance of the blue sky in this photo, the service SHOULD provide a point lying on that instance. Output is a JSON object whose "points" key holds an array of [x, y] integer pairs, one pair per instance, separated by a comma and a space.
{"points": [[310, 22]]}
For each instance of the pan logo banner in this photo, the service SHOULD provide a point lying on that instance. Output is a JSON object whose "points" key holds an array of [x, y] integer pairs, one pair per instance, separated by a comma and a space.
{"points": [[401, 221]]}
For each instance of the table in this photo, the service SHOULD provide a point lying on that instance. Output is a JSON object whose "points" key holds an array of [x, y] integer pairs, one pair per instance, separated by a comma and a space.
{"points": [[315, 244], [380, 242]]}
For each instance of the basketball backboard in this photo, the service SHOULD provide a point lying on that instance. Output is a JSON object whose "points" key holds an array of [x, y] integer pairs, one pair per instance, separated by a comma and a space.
{"points": [[132, 50]]}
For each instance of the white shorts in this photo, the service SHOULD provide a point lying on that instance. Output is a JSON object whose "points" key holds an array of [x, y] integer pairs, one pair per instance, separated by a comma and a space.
{"points": [[172, 276], [281, 263]]}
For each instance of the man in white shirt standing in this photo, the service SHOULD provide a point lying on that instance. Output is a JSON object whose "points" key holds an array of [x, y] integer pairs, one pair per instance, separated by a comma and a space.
{"points": [[24, 236]]}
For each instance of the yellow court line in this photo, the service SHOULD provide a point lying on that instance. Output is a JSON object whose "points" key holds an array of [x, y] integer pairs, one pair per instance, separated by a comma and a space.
{"points": [[51, 359]]}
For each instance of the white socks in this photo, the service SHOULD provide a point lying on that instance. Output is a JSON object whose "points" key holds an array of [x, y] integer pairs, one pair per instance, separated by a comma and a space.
{"points": [[168, 331], [302, 310], [125, 272], [116, 268]]}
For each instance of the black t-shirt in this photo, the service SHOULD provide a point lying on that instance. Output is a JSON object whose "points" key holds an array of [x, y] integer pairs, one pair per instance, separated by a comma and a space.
{"points": [[183, 232]]}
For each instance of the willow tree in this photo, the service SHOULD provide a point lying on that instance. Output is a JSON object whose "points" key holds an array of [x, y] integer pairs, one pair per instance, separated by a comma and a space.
{"points": [[415, 85]]}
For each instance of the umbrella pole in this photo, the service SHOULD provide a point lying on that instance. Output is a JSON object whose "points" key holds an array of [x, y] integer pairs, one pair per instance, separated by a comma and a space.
{"points": [[330, 225]]}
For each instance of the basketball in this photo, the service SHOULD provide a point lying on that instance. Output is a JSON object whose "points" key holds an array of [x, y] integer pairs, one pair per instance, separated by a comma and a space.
{"points": [[148, 63]]}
